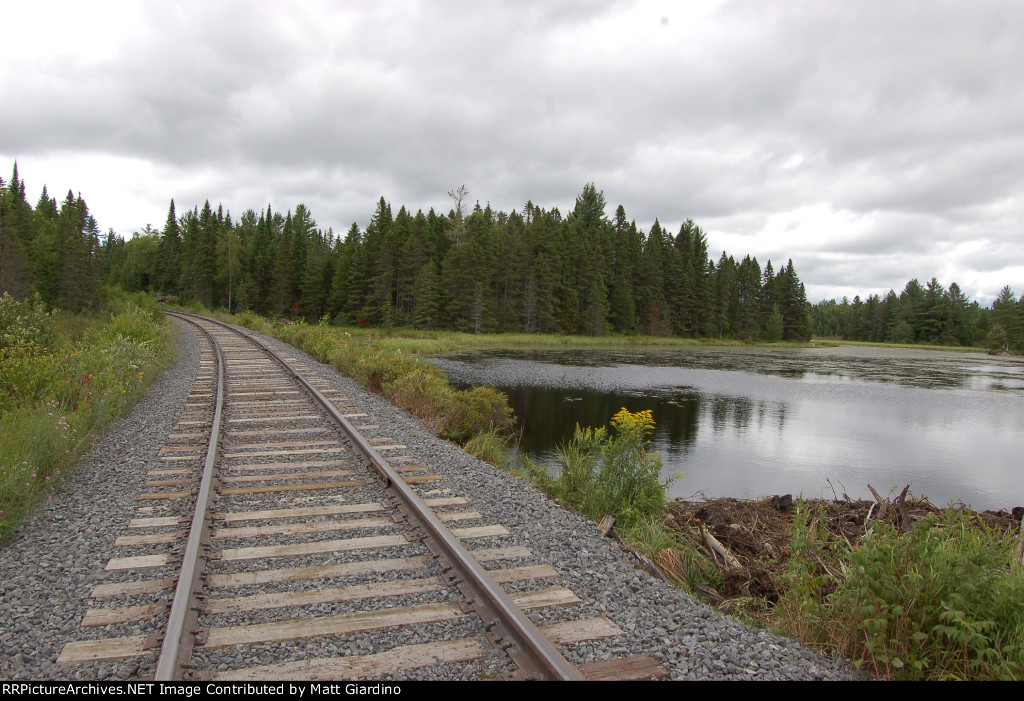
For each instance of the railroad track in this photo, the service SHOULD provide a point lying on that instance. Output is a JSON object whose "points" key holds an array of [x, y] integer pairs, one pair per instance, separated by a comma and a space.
{"points": [[284, 536]]}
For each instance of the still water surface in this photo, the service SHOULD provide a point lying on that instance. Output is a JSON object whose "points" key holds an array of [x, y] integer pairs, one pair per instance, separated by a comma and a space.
{"points": [[749, 422]]}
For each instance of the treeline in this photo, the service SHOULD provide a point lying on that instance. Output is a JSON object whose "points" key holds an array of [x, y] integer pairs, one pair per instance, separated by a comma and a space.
{"points": [[924, 314], [469, 270], [52, 251], [480, 270]]}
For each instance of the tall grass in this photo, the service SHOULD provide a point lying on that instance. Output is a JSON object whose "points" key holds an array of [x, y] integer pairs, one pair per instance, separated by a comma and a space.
{"points": [[430, 343], [678, 557], [62, 379]]}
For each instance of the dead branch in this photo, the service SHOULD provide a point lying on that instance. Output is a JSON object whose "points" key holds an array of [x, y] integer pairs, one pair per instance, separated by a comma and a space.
{"points": [[882, 503], [1020, 543], [716, 547], [901, 507]]}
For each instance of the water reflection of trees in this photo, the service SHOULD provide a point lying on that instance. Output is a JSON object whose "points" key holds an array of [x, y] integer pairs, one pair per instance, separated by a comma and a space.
{"points": [[548, 416], [740, 413]]}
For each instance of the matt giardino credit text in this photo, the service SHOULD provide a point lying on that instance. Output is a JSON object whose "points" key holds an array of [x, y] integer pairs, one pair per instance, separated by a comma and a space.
{"points": [[193, 689]]}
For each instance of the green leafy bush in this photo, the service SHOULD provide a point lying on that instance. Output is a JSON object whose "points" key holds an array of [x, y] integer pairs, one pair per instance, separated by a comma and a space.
{"points": [[135, 326], [476, 410], [942, 601], [424, 392], [490, 446], [254, 322], [25, 327], [613, 474]]}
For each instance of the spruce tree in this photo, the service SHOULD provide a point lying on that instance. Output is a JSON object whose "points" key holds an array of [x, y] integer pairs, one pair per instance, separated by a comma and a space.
{"points": [[15, 238], [425, 297]]}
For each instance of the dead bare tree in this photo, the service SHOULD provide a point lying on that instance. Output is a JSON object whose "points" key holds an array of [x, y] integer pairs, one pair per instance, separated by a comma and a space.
{"points": [[460, 196]]}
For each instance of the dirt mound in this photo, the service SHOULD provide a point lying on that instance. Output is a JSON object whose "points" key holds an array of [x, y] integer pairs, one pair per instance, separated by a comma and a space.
{"points": [[757, 532]]}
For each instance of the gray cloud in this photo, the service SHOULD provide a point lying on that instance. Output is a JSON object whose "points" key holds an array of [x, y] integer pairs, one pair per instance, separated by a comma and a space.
{"points": [[901, 118]]}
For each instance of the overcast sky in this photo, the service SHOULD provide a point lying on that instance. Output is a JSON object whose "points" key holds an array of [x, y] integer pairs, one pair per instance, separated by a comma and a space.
{"points": [[871, 142]]}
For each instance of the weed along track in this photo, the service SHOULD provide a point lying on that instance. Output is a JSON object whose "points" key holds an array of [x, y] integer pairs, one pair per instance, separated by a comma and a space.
{"points": [[286, 535]]}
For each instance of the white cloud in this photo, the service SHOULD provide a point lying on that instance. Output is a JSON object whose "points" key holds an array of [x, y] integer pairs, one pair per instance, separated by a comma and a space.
{"points": [[869, 142]]}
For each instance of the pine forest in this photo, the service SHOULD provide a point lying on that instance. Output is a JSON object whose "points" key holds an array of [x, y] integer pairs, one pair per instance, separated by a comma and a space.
{"points": [[472, 269]]}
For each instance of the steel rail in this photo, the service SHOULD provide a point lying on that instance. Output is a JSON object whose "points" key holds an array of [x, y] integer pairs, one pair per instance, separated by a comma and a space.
{"points": [[176, 650], [507, 626]]}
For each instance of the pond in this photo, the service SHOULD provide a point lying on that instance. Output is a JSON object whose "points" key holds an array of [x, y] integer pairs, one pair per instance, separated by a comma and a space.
{"points": [[750, 422]]}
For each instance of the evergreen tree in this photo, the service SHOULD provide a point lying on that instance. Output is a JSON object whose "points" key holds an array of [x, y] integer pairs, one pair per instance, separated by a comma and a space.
{"points": [[230, 259], [748, 294], [15, 241], [317, 274], [169, 259], [655, 314], [425, 290], [774, 327], [1005, 318], [280, 298], [303, 232], [791, 301], [539, 298], [340, 301], [957, 331], [243, 293], [726, 296], [627, 249], [768, 300], [935, 314]]}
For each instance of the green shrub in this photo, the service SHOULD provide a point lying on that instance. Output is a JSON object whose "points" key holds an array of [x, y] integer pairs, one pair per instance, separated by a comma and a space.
{"points": [[25, 328], [253, 321], [376, 368], [942, 601], [613, 474], [27, 366], [474, 411], [423, 392], [135, 325]]}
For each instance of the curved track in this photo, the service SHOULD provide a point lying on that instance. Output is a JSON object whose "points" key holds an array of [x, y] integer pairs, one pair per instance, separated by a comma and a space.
{"points": [[309, 553]]}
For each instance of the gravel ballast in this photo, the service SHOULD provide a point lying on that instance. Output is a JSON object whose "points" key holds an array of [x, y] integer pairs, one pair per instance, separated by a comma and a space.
{"points": [[49, 567]]}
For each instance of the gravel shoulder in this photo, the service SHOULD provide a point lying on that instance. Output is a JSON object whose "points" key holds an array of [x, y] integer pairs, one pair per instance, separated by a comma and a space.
{"points": [[49, 567]]}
